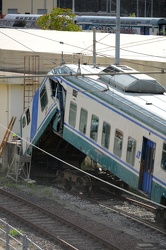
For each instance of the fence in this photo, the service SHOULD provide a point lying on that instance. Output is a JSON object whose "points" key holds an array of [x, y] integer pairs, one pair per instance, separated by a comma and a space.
{"points": [[15, 239]]}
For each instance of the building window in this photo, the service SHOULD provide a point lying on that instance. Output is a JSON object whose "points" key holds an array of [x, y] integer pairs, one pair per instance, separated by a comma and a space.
{"points": [[72, 114], [131, 149], [43, 98], [105, 135], [41, 11], [83, 121], [163, 160], [12, 11], [94, 127], [118, 143]]}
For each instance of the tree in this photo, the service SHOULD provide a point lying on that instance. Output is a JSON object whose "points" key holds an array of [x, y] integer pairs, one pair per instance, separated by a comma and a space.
{"points": [[132, 15], [58, 19]]}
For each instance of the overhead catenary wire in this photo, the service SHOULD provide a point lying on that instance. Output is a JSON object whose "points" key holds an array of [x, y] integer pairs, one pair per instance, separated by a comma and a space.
{"points": [[162, 71]]}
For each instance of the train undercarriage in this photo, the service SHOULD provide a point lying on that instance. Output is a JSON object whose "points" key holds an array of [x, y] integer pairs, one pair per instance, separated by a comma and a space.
{"points": [[68, 166]]}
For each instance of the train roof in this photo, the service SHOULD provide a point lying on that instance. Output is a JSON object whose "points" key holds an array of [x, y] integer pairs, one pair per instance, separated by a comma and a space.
{"points": [[121, 77], [130, 81], [148, 107], [124, 20]]}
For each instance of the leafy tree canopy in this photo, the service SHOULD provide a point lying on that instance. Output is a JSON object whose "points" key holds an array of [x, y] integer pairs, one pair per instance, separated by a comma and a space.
{"points": [[58, 19]]}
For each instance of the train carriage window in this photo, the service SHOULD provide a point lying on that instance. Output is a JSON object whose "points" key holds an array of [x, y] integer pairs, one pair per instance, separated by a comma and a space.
{"points": [[105, 135], [28, 116], [75, 93], [94, 127], [53, 86], [43, 98], [23, 122], [72, 114], [131, 149], [163, 160], [118, 142], [83, 121]]}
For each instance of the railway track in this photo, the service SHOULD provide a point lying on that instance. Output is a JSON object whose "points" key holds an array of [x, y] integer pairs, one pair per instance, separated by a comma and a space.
{"points": [[135, 218], [122, 206], [145, 216], [69, 234]]}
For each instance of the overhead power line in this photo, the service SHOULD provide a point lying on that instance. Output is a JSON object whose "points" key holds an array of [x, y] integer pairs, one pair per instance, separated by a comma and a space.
{"points": [[162, 71]]}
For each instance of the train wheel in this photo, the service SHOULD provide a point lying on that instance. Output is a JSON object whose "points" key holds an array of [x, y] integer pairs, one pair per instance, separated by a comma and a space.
{"points": [[59, 177], [67, 185], [67, 182], [87, 186]]}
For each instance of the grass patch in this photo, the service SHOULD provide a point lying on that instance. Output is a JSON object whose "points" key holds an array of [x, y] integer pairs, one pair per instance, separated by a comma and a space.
{"points": [[15, 233], [12, 185], [30, 185], [48, 192]]}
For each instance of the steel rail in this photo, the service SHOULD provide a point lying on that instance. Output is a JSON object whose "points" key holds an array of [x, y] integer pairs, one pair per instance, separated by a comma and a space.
{"points": [[53, 216], [135, 218]]}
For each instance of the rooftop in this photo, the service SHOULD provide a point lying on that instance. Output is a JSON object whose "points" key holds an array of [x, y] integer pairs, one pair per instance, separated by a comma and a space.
{"points": [[136, 47]]}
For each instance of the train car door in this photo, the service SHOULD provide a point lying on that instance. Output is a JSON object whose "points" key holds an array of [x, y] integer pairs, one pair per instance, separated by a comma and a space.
{"points": [[145, 30], [147, 165]]}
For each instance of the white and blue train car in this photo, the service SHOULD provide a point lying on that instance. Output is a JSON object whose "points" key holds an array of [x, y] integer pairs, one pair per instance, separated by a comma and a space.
{"points": [[19, 21], [113, 115], [128, 25]]}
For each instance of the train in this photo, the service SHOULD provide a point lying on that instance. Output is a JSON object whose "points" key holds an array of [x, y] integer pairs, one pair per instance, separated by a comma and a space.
{"points": [[129, 25], [114, 115], [27, 21]]}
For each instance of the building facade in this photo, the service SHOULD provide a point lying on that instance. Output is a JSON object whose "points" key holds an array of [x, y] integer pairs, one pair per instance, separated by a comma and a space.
{"points": [[142, 8], [28, 6], [11, 99]]}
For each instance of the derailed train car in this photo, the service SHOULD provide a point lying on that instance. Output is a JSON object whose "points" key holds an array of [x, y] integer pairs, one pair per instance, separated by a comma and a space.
{"points": [[111, 114]]}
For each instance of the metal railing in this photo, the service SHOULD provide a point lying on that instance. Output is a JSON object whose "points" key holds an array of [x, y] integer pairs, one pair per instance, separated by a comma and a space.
{"points": [[15, 239]]}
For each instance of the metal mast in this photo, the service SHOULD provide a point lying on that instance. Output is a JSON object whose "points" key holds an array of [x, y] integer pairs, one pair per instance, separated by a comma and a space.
{"points": [[117, 41], [73, 6]]}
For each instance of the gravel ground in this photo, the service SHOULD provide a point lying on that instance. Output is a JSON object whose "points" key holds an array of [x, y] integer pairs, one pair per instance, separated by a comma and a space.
{"points": [[143, 238]]}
